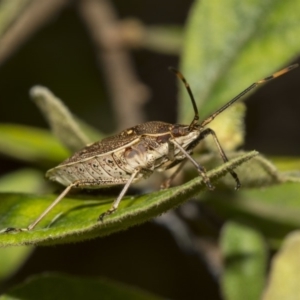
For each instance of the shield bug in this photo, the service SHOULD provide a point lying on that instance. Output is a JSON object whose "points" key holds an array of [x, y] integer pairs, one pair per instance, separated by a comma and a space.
{"points": [[137, 152]]}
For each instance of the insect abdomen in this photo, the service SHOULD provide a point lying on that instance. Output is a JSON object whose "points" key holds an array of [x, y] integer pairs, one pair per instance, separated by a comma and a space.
{"points": [[103, 169]]}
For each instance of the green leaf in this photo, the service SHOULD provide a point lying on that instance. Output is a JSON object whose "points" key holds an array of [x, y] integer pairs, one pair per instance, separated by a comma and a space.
{"points": [[30, 144], [284, 276], [11, 259], [231, 44], [261, 172], [25, 181], [274, 210], [229, 127], [284, 163], [74, 220], [244, 252], [64, 125], [62, 287]]}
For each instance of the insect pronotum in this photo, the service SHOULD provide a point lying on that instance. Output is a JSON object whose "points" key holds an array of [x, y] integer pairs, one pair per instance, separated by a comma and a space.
{"points": [[137, 152]]}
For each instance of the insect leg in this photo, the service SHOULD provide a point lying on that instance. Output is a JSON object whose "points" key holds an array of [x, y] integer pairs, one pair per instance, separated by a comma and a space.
{"points": [[208, 131], [166, 184], [200, 169], [56, 201], [120, 197]]}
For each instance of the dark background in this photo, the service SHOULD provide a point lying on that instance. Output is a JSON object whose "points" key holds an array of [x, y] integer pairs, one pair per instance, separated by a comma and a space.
{"points": [[61, 56]]}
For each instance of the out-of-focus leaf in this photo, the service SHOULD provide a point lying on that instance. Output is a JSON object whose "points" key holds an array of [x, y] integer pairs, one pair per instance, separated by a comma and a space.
{"points": [[284, 275], [287, 163], [231, 44], [11, 259], [63, 125], [25, 181], [229, 127], [260, 172], [74, 220], [62, 287], [245, 261], [30, 144], [274, 210]]}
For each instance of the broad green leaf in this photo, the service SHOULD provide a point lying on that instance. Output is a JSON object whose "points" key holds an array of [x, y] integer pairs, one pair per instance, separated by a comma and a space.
{"points": [[287, 163], [245, 262], [63, 124], [260, 172], [274, 210], [25, 181], [11, 259], [284, 276], [231, 44], [74, 220], [30, 144], [63, 287]]}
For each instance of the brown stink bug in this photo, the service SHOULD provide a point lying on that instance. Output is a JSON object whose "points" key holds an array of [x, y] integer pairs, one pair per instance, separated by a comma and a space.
{"points": [[137, 152]]}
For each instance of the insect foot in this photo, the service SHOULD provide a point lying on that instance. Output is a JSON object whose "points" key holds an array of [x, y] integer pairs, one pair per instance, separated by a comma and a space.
{"points": [[208, 183], [107, 213], [166, 184], [13, 230]]}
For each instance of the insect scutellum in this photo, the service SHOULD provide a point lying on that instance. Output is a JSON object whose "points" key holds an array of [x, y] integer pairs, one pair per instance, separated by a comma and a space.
{"points": [[137, 152]]}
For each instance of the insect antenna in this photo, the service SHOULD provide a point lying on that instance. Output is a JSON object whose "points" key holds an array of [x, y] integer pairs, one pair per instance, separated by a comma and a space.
{"points": [[187, 86], [247, 90]]}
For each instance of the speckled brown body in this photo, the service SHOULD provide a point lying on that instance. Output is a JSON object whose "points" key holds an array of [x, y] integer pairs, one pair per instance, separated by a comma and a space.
{"points": [[113, 160]]}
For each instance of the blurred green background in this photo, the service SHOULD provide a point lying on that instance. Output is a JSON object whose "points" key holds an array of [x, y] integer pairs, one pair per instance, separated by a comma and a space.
{"points": [[60, 53]]}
